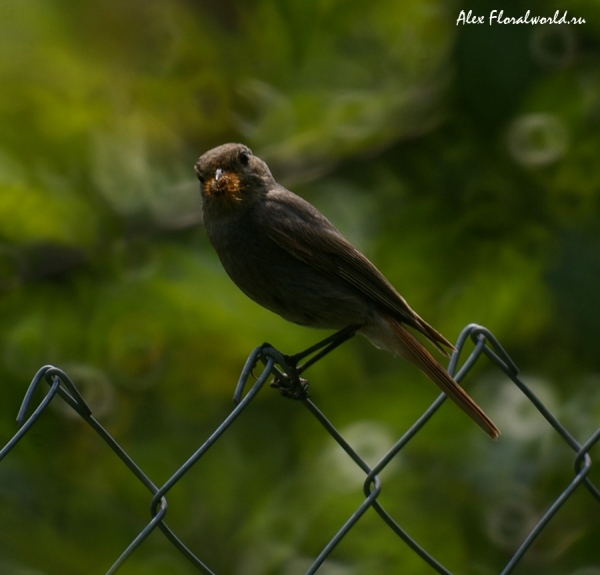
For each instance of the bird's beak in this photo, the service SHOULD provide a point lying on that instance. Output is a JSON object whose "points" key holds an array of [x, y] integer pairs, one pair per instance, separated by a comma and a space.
{"points": [[218, 174]]}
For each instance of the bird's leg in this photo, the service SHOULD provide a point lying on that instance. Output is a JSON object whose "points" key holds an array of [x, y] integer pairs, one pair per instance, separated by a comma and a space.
{"points": [[326, 346], [290, 384]]}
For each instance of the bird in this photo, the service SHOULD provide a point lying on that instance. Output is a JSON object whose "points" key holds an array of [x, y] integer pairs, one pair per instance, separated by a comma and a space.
{"points": [[289, 258]]}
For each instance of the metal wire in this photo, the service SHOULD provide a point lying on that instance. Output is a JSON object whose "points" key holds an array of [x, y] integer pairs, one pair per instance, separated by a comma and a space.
{"points": [[286, 376]]}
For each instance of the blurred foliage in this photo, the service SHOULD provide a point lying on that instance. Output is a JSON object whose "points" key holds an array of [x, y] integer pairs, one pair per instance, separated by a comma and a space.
{"points": [[462, 159]]}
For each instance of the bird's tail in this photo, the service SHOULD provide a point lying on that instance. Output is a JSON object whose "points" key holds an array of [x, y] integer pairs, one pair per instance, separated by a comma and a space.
{"points": [[397, 339]]}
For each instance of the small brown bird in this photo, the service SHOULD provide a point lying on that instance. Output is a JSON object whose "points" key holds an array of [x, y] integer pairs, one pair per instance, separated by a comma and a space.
{"points": [[286, 256]]}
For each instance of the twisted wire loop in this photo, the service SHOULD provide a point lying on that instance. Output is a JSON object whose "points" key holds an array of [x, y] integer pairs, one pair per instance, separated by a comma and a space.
{"points": [[285, 373]]}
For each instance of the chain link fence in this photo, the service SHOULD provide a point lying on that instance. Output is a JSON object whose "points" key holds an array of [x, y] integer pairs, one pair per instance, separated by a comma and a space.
{"points": [[284, 373]]}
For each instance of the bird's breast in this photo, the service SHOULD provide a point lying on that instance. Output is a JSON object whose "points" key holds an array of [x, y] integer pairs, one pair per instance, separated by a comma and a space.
{"points": [[280, 282]]}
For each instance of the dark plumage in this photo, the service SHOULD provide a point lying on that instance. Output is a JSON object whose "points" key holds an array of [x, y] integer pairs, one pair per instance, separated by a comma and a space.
{"points": [[286, 256]]}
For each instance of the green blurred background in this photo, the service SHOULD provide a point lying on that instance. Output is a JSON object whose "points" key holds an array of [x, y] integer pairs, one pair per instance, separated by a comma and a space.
{"points": [[463, 160]]}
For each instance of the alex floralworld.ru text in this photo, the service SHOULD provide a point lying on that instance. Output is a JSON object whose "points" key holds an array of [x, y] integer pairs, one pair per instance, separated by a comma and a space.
{"points": [[497, 17]]}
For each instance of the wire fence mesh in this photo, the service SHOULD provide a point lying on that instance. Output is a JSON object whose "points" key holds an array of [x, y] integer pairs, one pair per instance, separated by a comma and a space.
{"points": [[285, 373]]}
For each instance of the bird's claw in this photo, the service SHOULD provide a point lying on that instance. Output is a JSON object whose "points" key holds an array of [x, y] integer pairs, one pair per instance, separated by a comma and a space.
{"points": [[291, 387]]}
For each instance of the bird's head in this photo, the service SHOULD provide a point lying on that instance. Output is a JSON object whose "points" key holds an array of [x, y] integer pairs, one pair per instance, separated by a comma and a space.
{"points": [[230, 174]]}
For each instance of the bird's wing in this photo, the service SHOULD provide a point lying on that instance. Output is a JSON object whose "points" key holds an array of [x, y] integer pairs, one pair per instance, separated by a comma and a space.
{"points": [[301, 230]]}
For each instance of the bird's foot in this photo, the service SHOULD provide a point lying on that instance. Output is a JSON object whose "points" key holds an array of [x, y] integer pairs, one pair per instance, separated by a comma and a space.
{"points": [[288, 382], [294, 387]]}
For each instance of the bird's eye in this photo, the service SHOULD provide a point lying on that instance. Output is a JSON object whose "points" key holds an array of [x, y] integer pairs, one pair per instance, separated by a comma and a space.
{"points": [[244, 158]]}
